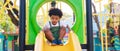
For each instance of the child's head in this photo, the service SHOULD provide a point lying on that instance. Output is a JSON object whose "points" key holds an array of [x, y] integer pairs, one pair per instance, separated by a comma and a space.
{"points": [[55, 15]]}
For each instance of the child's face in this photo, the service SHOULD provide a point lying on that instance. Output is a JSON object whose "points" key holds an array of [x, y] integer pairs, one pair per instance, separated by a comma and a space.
{"points": [[54, 19]]}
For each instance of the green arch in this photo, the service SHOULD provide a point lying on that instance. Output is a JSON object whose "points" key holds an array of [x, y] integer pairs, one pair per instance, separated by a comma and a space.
{"points": [[34, 29]]}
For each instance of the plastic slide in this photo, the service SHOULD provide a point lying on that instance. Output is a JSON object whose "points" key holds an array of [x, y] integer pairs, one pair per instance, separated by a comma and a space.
{"points": [[72, 45]]}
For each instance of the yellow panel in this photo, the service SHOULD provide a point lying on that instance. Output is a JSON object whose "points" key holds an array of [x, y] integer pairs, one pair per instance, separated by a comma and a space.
{"points": [[72, 45]]}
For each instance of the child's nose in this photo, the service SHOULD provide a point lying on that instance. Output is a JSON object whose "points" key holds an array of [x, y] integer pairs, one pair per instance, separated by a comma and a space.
{"points": [[54, 20]]}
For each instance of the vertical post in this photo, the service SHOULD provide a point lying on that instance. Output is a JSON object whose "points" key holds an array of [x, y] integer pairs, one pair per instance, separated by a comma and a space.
{"points": [[89, 26], [22, 25]]}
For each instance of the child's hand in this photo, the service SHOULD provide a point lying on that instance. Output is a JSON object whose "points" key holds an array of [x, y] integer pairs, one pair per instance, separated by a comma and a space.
{"points": [[68, 28]]}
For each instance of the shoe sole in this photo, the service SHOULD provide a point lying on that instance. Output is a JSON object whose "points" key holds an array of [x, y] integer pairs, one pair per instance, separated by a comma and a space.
{"points": [[53, 44], [61, 44]]}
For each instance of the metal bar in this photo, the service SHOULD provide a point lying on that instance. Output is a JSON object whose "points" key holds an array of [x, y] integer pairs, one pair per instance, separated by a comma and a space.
{"points": [[89, 26], [107, 14], [22, 25], [101, 36], [29, 47], [83, 46]]}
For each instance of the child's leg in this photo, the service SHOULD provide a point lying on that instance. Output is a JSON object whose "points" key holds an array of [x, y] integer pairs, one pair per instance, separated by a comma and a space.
{"points": [[62, 33], [48, 35]]}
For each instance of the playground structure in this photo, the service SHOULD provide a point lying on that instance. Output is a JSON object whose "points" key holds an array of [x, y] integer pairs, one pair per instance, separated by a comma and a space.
{"points": [[103, 39], [100, 42], [108, 31], [33, 29]]}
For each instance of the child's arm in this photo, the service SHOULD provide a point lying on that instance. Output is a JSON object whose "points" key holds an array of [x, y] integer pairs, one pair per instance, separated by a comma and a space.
{"points": [[46, 26]]}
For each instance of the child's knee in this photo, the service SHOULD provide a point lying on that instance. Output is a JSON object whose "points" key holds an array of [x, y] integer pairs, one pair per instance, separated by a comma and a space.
{"points": [[46, 30], [63, 29]]}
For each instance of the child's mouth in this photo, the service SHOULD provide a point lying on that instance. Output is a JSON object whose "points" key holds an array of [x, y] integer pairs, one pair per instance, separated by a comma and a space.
{"points": [[54, 23]]}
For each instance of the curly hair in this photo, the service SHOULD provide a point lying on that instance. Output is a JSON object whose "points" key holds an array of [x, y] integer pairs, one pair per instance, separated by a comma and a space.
{"points": [[55, 11]]}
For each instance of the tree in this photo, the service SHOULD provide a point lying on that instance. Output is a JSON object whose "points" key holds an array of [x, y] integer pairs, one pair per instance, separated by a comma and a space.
{"points": [[12, 14]]}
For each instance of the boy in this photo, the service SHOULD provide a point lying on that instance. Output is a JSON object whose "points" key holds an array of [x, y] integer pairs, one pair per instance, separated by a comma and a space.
{"points": [[55, 29]]}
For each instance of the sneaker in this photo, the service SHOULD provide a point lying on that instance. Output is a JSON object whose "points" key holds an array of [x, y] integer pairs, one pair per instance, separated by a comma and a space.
{"points": [[54, 42], [59, 42]]}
